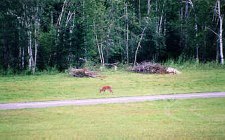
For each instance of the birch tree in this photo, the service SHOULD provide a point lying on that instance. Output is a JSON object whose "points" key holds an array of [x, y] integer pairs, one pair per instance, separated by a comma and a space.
{"points": [[139, 45], [29, 20], [127, 33], [220, 16]]}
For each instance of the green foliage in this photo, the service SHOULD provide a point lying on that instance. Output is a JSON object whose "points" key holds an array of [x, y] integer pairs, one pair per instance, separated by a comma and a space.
{"points": [[72, 30]]}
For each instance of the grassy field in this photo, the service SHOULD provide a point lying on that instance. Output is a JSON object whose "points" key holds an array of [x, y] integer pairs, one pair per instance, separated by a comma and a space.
{"points": [[62, 86], [169, 119]]}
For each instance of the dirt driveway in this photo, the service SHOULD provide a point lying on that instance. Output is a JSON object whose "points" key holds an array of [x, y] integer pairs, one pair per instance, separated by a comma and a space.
{"points": [[84, 102]]}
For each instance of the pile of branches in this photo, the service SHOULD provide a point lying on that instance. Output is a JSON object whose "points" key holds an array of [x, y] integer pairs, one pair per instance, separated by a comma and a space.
{"points": [[149, 67], [82, 73], [153, 68]]}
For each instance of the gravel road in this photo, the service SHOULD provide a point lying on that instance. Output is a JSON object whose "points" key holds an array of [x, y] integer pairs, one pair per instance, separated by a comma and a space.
{"points": [[83, 102]]}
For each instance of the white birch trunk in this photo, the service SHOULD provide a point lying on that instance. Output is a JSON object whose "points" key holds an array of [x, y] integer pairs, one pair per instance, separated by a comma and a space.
{"points": [[61, 14], [138, 46], [127, 34], [186, 22], [220, 33], [149, 7], [30, 51], [164, 28], [102, 54], [35, 50], [139, 10], [196, 32], [36, 44], [160, 24], [23, 58], [59, 20], [161, 19], [197, 47], [98, 45]]}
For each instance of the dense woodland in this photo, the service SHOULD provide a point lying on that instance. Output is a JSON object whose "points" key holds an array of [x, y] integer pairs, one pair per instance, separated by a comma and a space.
{"points": [[40, 34]]}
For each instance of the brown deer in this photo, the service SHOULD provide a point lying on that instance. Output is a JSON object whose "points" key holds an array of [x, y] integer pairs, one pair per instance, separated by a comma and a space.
{"points": [[104, 88]]}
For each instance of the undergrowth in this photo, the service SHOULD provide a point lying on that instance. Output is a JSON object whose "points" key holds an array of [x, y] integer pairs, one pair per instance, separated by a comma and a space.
{"points": [[181, 64], [192, 64]]}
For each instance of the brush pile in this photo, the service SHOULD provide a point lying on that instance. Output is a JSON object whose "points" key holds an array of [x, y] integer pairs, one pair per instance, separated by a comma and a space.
{"points": [[82, 73], [153, 68]]}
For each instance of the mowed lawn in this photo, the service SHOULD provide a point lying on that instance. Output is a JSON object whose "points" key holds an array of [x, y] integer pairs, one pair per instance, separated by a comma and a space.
{"points": [[62, 86], [169, 119]]}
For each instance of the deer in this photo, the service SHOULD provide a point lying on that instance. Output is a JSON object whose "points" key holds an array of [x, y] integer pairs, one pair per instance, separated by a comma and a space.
{"points": [[104, 88]]}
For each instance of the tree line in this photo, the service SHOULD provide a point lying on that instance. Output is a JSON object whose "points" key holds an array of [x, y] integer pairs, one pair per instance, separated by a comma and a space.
{"points": [[41, 34]]}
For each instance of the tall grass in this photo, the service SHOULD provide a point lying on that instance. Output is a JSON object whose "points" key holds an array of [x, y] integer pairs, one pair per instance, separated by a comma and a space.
{"points": [[192, 64], [11, 72], [180, 63]]}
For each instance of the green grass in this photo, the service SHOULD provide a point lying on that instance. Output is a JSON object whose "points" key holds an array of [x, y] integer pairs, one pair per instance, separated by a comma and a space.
{"points": [[62, 86], [169, 119]]}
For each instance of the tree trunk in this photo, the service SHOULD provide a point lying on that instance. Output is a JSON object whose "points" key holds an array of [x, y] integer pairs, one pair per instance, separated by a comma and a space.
{"points": [[217, 51], [23, 58], [139, 11], [181, 27], [160, 22], [197, 54], [127, 34], [138, 46], [36, 44], [30, 51], [99, 45], [186, 22], [196, 37], [149, 7], [220, 32], [102, 54], [61, 14], [164, 27], [59, 21]]}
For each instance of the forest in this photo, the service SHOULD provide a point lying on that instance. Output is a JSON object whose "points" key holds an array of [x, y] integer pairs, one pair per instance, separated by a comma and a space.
{"points": [[36, 35]]}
